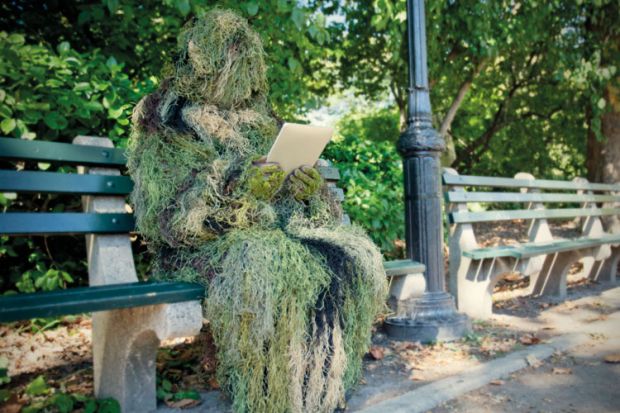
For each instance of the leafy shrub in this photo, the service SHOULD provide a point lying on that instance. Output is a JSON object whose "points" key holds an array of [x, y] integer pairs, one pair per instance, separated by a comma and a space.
{"points": [[40, 396], [57, 94], [371, 174]]}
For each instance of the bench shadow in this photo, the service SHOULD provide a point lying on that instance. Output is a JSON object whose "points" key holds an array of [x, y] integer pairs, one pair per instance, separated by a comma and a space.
{"points": [[523, 305]]}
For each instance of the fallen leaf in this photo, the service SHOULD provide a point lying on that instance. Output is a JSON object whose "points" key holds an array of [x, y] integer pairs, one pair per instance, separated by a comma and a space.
{"points": [[560, 370], [601, 317], [512, 277], [12, 405], [377, 353], [183, 403], [529, 339], [213, 383], [533, 361], [612, 358], [399, 243], [415, 378], [497, 382]]}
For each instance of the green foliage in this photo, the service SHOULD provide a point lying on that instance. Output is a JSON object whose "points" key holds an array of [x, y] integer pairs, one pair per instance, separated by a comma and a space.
{"points": [[4, 371], [58, 94], [371, 174], [39, 396], [142, 35], [55, 94], [167, 392]]}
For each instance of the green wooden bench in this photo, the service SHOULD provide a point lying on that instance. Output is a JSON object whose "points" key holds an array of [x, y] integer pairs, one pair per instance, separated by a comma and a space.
{"points": [[130, 318], [546, 259]]}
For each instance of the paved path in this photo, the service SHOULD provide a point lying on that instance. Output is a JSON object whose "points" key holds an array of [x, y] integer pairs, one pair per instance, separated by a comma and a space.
{"points": [[575, 379], [591, 385]]}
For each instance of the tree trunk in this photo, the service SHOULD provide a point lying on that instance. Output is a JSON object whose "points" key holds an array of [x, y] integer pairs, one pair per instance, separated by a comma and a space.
{"points": [[449, 156], [604, 156]]}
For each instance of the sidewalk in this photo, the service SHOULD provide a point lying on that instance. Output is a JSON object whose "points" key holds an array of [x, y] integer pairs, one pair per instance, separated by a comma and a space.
{"points": [[578, 381], [538, 379]]}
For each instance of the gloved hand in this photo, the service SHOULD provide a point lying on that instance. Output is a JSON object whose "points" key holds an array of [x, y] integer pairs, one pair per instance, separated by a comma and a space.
{"points": [[265, 179], [304, 182]]}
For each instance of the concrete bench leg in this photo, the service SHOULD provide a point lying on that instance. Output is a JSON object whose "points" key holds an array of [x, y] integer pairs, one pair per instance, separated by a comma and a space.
{"points": [[552, 278], [606, 270], [475, 286], [404, 291], [125, 345]]}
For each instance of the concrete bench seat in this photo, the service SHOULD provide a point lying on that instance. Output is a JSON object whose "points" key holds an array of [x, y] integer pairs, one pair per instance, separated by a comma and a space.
{"points": [[474, 270], [533, 249], [78, 300]]}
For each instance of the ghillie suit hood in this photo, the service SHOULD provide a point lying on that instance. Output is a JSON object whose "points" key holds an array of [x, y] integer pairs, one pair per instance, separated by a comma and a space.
{"points": [[292, 293]]}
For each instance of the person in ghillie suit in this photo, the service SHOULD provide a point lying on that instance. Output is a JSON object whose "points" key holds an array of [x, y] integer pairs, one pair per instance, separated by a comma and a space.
{"points": [[292, 293]]}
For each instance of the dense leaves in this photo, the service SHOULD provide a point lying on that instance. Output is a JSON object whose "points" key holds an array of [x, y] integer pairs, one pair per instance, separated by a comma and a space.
{"points": [[56, 94], [142, 35], [371, 174]]}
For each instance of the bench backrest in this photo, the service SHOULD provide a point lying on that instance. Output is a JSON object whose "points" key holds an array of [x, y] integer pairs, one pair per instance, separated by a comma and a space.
{"points": [[63, 154], [528, 192]]}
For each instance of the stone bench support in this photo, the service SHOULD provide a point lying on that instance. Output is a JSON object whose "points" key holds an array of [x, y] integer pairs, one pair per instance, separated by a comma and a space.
{"points": [[125, 341]]}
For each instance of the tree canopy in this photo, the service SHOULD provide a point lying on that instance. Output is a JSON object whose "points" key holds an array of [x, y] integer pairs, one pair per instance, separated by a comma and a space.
{"points": [[514, 85]]}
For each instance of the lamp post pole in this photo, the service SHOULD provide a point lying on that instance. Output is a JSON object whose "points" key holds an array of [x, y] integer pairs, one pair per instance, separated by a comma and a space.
{"points": [[433, 316]]}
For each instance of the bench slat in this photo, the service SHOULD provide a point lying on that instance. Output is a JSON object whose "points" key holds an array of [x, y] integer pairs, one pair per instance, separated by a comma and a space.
{"points": [[338, 193], [329, 173], [462, 217], [460, 196], [403, 267], [63, 223], [88, 299], [470, 180], [534, 249], [52, 182], [66, 153]]}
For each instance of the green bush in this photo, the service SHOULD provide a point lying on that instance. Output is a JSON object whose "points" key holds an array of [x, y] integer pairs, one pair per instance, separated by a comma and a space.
{"points": [[371, 174], [55, 95]]}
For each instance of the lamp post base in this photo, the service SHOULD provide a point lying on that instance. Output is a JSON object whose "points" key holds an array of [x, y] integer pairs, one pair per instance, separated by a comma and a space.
{"points": [[434, 318]]}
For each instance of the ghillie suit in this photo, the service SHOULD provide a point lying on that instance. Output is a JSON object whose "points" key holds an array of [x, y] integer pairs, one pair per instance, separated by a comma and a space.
{"points": [[292, 293]]}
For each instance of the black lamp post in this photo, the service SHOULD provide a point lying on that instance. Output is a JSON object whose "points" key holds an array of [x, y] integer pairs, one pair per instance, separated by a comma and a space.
{"points": [[434, 315]]}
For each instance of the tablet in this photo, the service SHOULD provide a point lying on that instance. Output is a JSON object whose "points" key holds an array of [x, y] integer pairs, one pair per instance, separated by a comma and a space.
{"points": [[298, 145]]}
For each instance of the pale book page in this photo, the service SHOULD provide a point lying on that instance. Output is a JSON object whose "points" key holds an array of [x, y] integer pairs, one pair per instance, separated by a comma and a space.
{"points": [[298, 145]]}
